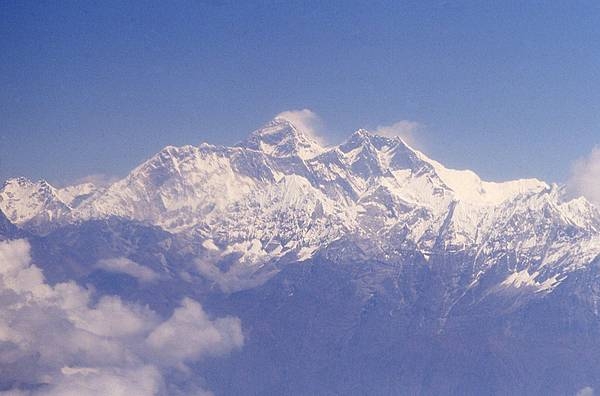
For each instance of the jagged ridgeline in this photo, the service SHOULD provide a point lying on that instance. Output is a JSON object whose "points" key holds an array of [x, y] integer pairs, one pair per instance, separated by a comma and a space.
{"points": [[362, 268]]}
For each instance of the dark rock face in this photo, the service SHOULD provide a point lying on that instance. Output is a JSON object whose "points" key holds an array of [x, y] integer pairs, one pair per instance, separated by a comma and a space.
{"points": [[323, 328], [7, 229]]}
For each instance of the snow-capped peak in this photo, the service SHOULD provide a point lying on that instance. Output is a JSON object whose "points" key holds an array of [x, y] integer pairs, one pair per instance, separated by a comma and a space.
{"points": [[469, 187], [281, 138], [22, 200], [372, 154], [280, 192], [393, 152], [363, 136], [74, 195]]}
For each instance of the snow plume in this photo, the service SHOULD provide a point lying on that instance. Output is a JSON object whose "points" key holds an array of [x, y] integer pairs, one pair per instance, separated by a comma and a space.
{"points": [[306, 121], [405, 129], [585, 177], [58, 340]]}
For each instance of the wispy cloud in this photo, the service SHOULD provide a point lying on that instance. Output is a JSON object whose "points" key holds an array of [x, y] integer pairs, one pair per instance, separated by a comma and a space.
{"points": [[125, 266], [405, 129], [307, 121], [55, 340], [585, 177]]}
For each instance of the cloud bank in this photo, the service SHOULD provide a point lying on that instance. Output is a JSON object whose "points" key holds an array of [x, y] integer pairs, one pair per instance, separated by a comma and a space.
{"points": [[585, 177], [307, 121], [55, 341]]}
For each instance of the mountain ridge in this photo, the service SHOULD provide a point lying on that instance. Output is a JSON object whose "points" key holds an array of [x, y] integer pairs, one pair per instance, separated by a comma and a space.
{"points": [[279, 193]]}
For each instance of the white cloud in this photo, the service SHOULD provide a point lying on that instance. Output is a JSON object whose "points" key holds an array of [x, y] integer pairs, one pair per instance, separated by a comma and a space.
{"points": [[405, 129], [585, 177], [202, 336], [306, 121], [125, 266], [587, 391], [143, 380], [54, 340]]}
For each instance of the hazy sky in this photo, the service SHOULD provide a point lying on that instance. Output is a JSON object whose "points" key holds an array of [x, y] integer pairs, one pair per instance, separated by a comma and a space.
{"points": [[508, 89]]}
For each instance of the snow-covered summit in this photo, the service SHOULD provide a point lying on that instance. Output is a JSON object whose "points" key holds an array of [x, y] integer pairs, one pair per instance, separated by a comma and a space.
{"points": [[468, 186], [22, 200], [281, 138]]}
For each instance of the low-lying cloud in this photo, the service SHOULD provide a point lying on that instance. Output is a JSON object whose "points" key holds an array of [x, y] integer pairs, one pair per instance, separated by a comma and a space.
{"points": [[585, 177], [54, 340], [126, 266]]}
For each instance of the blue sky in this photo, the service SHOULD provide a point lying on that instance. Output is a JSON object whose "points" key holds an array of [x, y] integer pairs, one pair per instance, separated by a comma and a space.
{"points": [[508, 89]]}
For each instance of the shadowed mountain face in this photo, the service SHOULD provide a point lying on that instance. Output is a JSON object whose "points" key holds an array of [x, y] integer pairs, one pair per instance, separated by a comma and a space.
{"points": [[327, 328], [323, 326], [7, 229], [365, 268]]}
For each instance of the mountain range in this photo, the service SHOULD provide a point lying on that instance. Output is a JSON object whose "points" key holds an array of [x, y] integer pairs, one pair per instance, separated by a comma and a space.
{"points": [[360, 268]]}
